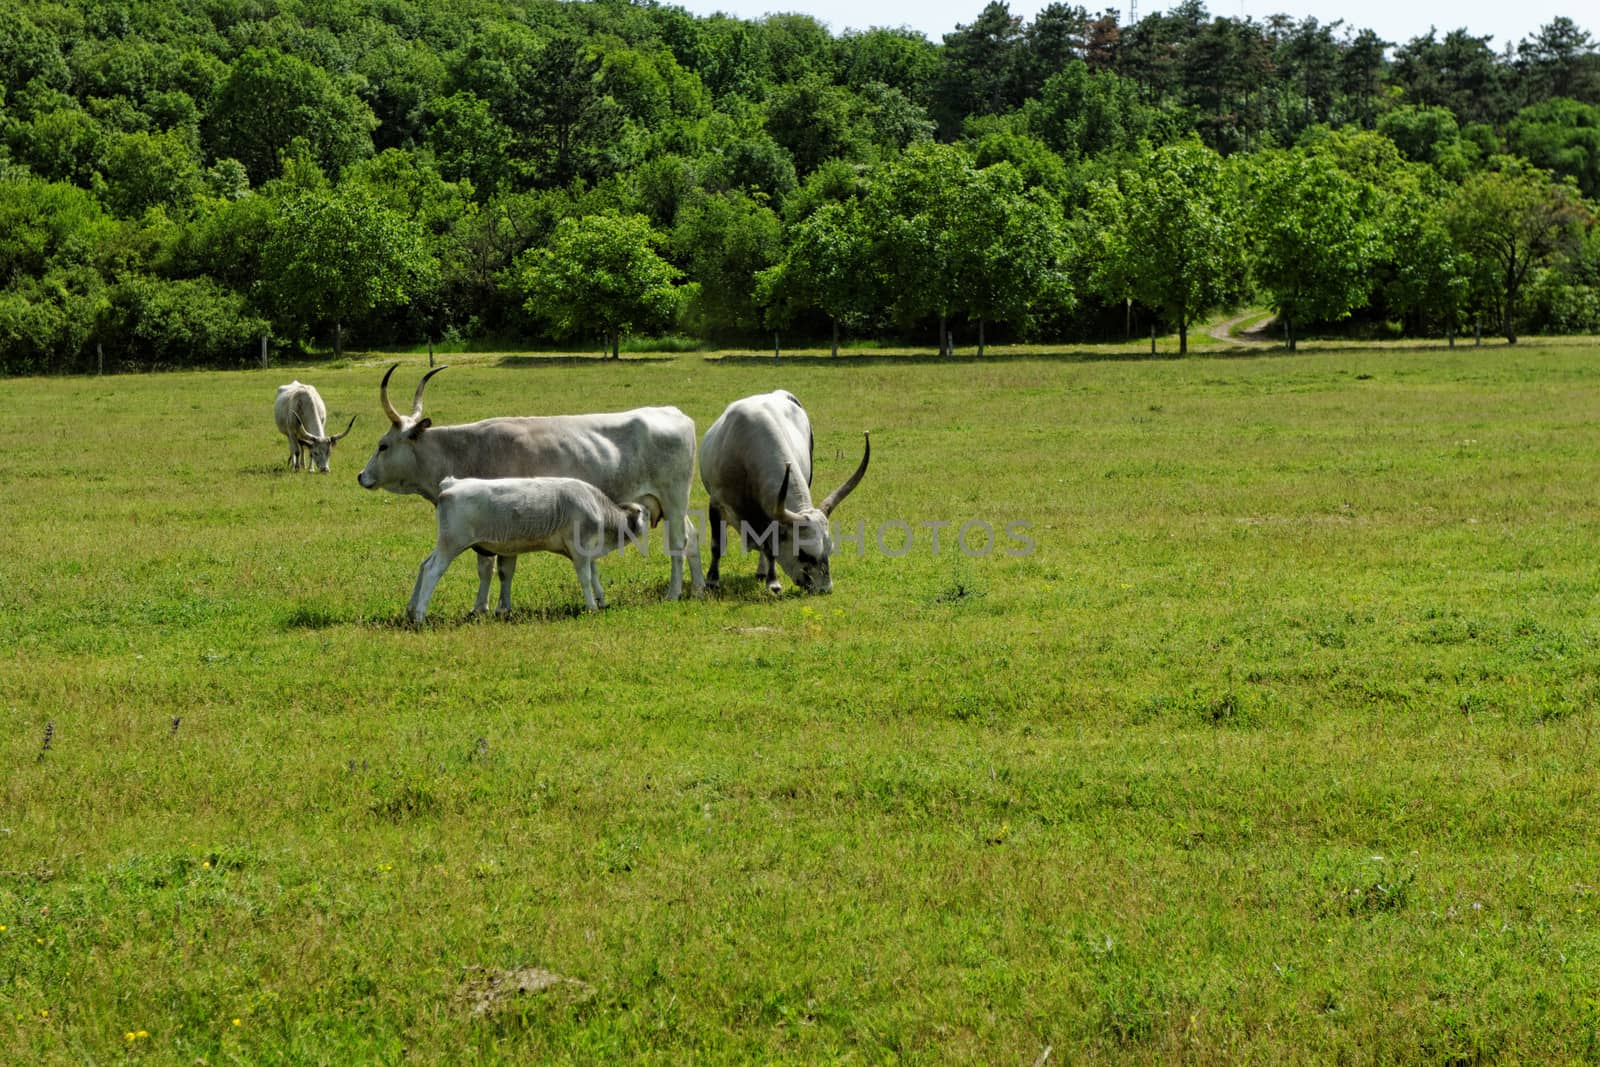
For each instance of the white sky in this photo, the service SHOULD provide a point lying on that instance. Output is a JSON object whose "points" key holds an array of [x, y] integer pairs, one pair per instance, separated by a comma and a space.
{"points": [[1393, 21]]}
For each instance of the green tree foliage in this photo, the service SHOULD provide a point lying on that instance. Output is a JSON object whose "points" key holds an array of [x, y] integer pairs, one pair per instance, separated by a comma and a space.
{"points": [[154, 322], [1560, 60], [1080, 114], [600, 275], [272, 99], [1171, 237], [946, 238], [335, 255], [146, 170], [725, 240], [1314, 236], [52, 237], [824, 267], [1560, 135], [1507, 222], [471, 129], [982, 70], [1459, 73]]}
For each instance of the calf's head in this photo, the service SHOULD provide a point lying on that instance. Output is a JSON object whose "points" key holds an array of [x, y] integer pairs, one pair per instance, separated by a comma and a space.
{"points": [[393, 464], [805, 537], [321, 446]]}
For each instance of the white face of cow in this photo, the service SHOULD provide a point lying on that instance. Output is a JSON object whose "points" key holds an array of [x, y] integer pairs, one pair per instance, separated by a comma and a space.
{"points": [[321, 448], [321, 452], [393, 464], [805, 537], [803, 551]]}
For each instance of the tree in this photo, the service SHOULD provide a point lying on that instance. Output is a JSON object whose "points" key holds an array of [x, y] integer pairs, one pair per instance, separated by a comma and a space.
{"points": [[822, 267], [945, 238], [984, 66], [1313, 236], [271, 99], [333, 256], [1080, 113], [600, 273], [725, 240], [1012, 251], [1560, 60], [1560, 135], [145, 170], [812, 120], [1508, 221], [1171, 236], [1460, 73], [51, 289]]}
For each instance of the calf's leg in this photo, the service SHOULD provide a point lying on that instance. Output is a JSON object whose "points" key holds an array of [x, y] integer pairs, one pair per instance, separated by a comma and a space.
{"points": [[507, 566], [428, 576], [485, 576]]}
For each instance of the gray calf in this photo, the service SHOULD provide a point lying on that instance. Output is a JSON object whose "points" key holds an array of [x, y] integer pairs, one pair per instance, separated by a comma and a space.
{"points": [[505, 517]]}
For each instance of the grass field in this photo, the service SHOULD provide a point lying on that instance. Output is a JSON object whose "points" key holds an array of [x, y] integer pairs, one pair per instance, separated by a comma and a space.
{"points": [[1277, 746]]}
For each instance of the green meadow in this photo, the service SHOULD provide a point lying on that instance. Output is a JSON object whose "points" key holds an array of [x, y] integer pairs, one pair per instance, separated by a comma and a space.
{"points": [[1269, 737]]}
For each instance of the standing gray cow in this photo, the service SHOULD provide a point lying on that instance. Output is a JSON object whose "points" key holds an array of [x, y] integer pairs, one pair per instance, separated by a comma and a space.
{"points": [[749, 460], [510, 516], [303, 418], [644, 456]]}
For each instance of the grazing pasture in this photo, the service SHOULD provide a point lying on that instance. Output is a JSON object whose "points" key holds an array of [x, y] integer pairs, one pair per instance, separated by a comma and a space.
{"points": [[1278, 745]]}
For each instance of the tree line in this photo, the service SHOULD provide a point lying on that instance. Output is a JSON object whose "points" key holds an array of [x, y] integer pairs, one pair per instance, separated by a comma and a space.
{"points": [[182, 178]]}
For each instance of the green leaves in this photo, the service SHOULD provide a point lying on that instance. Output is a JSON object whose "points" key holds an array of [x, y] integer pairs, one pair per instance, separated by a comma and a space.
{"points": [[332, 255], [600, 274], [1171, 237], [1314, 235]]}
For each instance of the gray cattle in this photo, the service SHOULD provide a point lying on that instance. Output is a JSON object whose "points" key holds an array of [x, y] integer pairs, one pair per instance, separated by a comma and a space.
{"points": [[644, 456], [302, 417], [755, 461], [506, 517]]}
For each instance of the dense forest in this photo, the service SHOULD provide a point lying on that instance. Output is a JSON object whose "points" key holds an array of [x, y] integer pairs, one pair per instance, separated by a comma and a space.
{"points": [[179, 180]]}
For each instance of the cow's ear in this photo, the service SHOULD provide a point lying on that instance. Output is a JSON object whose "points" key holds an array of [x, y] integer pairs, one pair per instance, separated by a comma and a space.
{"points": [[418, 428]]}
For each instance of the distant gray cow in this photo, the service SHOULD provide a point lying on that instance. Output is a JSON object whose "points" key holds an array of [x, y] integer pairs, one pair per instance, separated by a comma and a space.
{"points": [[755, 462], [510, 516], [303, 418]]}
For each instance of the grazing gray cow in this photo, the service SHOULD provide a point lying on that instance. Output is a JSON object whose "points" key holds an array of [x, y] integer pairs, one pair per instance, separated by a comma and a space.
{"points": [[506, 517], [303, 418], [748, 462], [644, 456]]}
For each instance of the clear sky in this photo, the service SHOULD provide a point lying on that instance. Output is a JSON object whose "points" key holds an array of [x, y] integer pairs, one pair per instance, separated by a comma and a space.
{"points": [[1393, 21]]}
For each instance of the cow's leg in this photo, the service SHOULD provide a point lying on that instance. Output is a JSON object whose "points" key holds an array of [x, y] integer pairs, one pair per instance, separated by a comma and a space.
{"points": [[674, 526], [691, 541], [428, 576], [485, 576], [714, 572], [507, 566], [580, 564], [767, 570]]}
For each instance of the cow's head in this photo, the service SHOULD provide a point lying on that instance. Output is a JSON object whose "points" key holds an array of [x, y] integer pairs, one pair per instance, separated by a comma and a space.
{"points": [[805, 537], [393, 465], [321, 447]]}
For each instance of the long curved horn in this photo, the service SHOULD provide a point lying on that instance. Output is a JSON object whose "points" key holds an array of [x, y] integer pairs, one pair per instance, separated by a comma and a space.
{"points": [[336, 438], [383, 395], [305, 435], [781, 512], [835, 498], [416, 401]]}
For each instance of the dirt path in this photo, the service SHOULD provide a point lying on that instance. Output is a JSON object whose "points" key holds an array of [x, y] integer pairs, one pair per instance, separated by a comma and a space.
{"points": [[1256, 335]]}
